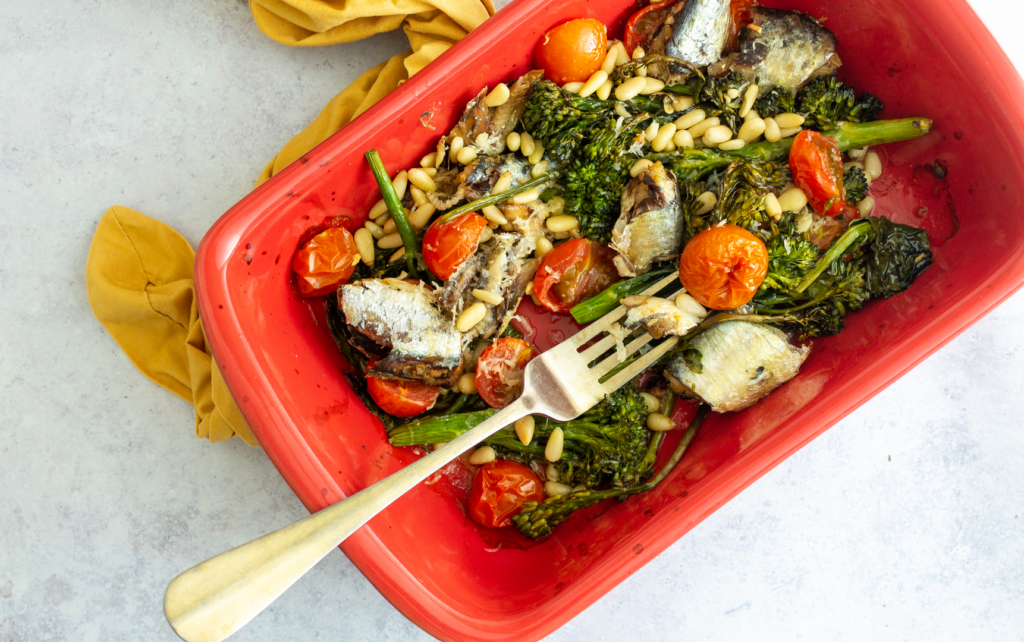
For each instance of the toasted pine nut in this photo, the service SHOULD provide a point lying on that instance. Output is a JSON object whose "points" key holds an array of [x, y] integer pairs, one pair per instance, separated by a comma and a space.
{"points": [[638, 53], [421, 216], [751, 130], [562, 223], [390, 242], [422, 180], [653, 403], [872, 165], [716, 135], [380, 207], [771, 205], [671, 147], [487, 297], [664, 137], [524, 429], [456, 145], [528, 196], [428, 160], [847, 166], [485, 235], [621, 56], [467, 383], [652, 130], [503, 183], [494, 215], [390, 226], [732, 145], [400, 254], [466, 156], [605, 89], [529, 288], [707, 201], [772, 133], [471, 316], [639, 166], [482, 455], [751, 114], [556, 489], [538, 152], [792, 131], [383, 218], [690, 118], [630, 89], [512, 142], [364, 244], [594, 82], [689, 305], [792, 200], [620, 110], [789, 120], [681, 103], [733, 93], [481, 139], [698, 130], [429, 171], [857, 154], [540, 169], [803, 222], [399, 182], [659, 422], [526, 145], [866, 205], [551, 473], [376, 231], [652, 86], [418, 196], [556, 442], [682, 139], [498, 96], [573, 87], [749, 96], [608, 66], [543, 247]]}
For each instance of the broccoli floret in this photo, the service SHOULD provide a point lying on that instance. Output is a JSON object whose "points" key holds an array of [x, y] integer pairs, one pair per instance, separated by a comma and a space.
{"points": [[790, 257], [562, 119], [826, 101], [775, 101], [744, 190], [855, 183], [716, 100]]}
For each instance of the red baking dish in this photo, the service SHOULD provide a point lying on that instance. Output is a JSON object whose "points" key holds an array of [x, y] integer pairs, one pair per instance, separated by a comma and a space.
{"points": [[459, 581]]}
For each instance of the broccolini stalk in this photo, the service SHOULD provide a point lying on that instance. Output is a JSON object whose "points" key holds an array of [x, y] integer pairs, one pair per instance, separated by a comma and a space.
{"points": [[537, 519], [596, 307], [858, 232], [390, 196], [494, 199]]}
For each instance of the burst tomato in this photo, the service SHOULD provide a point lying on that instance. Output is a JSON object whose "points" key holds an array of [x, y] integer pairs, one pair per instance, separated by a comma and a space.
{"points": [[499, 371], [325, 261], [499, 490], [723, 266], [571, 52], [402, 398], [740, 17], [574, 272], [447, 245], [817, 166], [642, 25]]}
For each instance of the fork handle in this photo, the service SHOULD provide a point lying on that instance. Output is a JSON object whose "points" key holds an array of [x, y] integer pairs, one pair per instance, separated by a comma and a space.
{"points": [[215, 598]]}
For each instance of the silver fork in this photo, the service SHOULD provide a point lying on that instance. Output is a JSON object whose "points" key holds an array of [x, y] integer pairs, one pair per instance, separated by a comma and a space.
{"points": [[212, 600]]}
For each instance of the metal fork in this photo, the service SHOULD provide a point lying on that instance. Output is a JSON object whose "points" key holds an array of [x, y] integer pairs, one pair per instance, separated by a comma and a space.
{"points": [[212, 600]]}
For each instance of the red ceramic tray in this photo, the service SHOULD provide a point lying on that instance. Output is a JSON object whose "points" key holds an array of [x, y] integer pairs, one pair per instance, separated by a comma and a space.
{"points": [[462, 582]]}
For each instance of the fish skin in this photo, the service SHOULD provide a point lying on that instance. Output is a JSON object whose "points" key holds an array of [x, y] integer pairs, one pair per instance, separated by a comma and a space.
{"points": [[660, 317], [476, 179], [650, 227], [699, 31], [741, 362], [399, 325]]}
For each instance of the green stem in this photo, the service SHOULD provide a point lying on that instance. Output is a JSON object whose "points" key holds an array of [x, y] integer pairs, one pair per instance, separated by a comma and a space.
{"points": [[390, 196], [494, 199], [436, 430], [596, 307], [855, 234], [680, 450]]}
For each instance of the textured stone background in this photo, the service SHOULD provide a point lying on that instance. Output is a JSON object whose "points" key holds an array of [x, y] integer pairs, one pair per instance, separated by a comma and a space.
{"points": [[105, 494]]}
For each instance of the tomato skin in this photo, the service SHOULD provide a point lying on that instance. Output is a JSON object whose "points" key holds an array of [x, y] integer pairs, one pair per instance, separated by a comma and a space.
{"points": [[573, 51], [723, 266], [817, 166], [402, 398], [447, 245], [574, 272], [642, 24], [499, 370], [499, 490], [325, 262]]}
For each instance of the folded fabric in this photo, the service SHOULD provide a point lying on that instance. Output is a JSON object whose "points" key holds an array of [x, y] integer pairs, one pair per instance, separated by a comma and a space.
{"points": [[139, 271]]}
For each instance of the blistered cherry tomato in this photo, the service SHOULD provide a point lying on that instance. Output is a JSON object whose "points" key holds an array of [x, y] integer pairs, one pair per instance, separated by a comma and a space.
{"points": [[643, 24], [817, 166], [499, 371], [325, 261], [574, 272], [499, 490], [740, 17], [402, 398], [447, 245], [572, 52], [723, 266]]}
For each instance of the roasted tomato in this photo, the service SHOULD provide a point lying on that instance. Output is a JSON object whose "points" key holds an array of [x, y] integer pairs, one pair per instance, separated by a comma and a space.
{"points": [[817, 166], [740, 10], [499, 490], [723, 266], [499, 371], [402, 398], [643, 25], [574, 272], [447, 245], [325, 262], [572, 52]]}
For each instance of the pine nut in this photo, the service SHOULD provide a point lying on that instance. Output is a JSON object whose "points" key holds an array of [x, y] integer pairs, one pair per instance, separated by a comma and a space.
{"points": [[653, 403], [789, 120], [866, 205], [421, 216], [681, 103], [683, 139], [503, 183], [793, 131], [529, 288], [456, 146], [397, 256], [858, 154], [376, 231], [383, 218], [608, 66], [467, 155], [639, 166], [605, 89], [471, 316], [630, 89], [594, 82], [556, 489], [494, 215], [749, 96], [689, 305], [543, 247], [664, 137], [803, 222], [573, 87], [512, 142], [498, 96], [429, 171], [751, 130], [707, 201], [526, 144], [364, 244], [539, 169], [390, 241], [771, 205], [872, 165], [659, 422], [620, 110], [481, 140], [556, 443], [638, 53], [551, 473], [524, 429], [671, 147], [689, 119], [851, 164], [652, 86], [467, 383], [751, 114], [422, 180], [536, 301], [732, 145], [488, 297], [390, 226], [528, 196], [716, 135], [428, 160], [652, 130], [698, 130], [772, 133], [400, 182], [733, 93], [562, 223], [621, 55], [538, 152], [485, 235], [380, 207], [792, 200], [418, 196], [483, 455]]}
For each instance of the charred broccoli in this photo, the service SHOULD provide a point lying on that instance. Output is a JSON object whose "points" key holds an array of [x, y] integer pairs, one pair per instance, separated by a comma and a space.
{"points": [[855, 183], [744, 190], [777, 100], [825, 101], [562, 119], [723, 97]]}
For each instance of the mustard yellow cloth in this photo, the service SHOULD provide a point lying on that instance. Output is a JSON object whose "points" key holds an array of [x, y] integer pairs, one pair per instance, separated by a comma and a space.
{"points": [[139, 271]]}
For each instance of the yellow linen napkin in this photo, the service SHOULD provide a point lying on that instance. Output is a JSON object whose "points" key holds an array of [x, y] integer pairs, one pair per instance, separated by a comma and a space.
{"points": [[139, 271]]}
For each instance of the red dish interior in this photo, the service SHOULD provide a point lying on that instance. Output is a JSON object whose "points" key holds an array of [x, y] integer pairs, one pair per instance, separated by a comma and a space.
{"points": [[462, 582]]}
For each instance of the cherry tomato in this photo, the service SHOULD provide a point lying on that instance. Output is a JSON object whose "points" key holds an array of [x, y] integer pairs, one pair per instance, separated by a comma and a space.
{"points": [[499, 490], [325, 261], [573, 51], [574, 272], [817, 166], [723, 266], [499, 370], [402, 398], [740, 10], [447, 245], [643, 24]]}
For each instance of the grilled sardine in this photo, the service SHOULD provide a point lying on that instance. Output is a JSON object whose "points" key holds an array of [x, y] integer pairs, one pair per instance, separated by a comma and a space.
{"points": [[660, 317], [650, 227], [695, 31]]}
